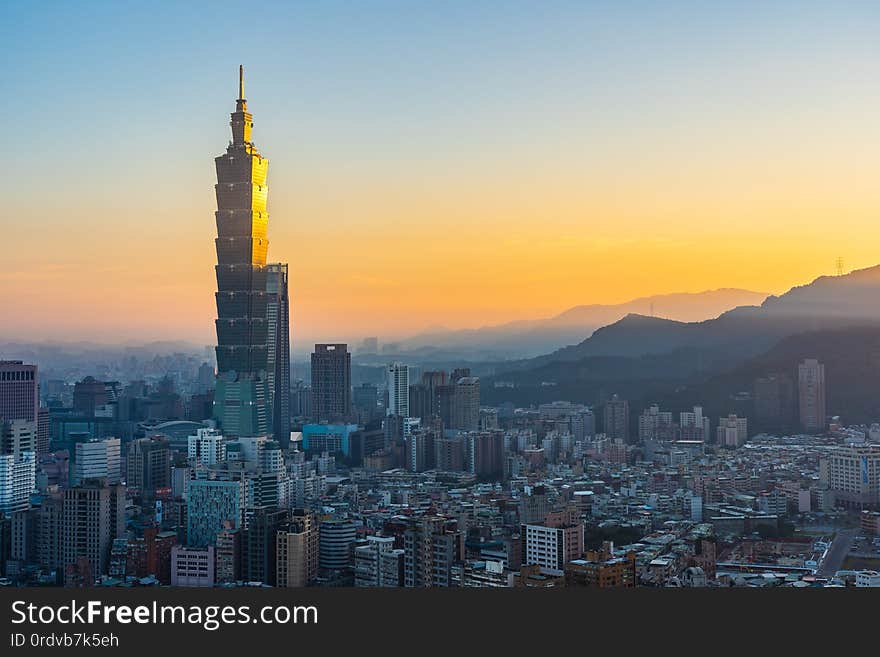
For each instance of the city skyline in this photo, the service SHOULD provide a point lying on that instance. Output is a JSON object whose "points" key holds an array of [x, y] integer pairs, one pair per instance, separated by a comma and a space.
{"points": [[461, 167]]}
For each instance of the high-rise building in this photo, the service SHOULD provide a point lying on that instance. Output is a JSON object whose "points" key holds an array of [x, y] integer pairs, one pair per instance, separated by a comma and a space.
{"points": [[336, 539], [42, 430], [485, 454], [19, 395], [278, 317], [18, 464], [97, 459], [397, 380], [207, 447], [365, 400], [552, 547], [732, 431], [148, 465], [253, 349], [774, 401], [694, 425], [93, 515], [377, 563], [297, 550], [617, 418], [213, 506], [811, 394], [331, 383], [259, 544], [431, 547], [655, 424], [458, 402]]}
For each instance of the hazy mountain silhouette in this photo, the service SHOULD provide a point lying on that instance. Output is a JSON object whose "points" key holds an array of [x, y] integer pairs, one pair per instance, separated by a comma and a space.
{"points": [[829, 302], [533, 337]]}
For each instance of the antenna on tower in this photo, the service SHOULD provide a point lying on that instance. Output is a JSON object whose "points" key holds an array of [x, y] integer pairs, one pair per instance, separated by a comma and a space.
{"points": [[839, 265], [241, 82]]}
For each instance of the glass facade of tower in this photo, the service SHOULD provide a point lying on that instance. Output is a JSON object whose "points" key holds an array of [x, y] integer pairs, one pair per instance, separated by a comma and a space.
{"points": [[253, 367]]}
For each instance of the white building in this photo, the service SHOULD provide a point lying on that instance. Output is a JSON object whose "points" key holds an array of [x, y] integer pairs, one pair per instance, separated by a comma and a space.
{"points": [[207, 446], [98, 458], [17, 481], [868, 579], [397, 378], [192, 566], [732, 431]]}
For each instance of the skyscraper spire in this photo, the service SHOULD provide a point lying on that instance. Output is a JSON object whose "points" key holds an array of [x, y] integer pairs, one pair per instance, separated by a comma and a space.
{"points": [[242, 121]]}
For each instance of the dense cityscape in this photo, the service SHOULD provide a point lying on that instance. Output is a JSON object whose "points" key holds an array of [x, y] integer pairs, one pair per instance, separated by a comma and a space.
{"points": [[220, 469]]}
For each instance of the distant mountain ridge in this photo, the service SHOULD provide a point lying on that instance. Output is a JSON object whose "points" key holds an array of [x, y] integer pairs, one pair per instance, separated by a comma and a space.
{"points": [[525, 338], [826, 303]]}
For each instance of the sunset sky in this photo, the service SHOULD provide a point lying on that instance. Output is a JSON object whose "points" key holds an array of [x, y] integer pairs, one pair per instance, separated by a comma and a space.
{"points": [[431, 163]]}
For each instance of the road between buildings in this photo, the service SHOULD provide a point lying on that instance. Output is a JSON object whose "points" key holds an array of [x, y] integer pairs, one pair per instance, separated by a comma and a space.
{"points": [[837, 552]]}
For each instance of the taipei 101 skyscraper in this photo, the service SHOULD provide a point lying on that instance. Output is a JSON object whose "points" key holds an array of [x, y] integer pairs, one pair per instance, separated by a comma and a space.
{"points": [[252, 394]]}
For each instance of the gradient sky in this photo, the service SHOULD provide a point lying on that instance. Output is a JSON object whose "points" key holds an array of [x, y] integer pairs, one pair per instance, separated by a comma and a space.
{"points": [[431, 163]]}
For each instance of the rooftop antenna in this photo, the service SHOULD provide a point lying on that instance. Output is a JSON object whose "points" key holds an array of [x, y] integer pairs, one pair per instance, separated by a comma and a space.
{"points": [[839, 264], [240, 82]]}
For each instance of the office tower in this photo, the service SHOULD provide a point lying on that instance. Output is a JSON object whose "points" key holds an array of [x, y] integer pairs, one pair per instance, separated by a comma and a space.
{"points": [[243, 396], [297, 550], [430, 548], [207, 447], [17, 481], [213, 506], [365, 400], [617, 418], [88, 395], [18, 464], [732, 431], [97, 459], [774, 401], [278, 317], [331, 391], [335, 540], [377, 563], [93, 515], [552, 547], [18, 436], [397, 381], [694, 425], [433, 380], [331, 383], [42, 430], [19, 394], [811, 394], [259, 544], [148, 465], [420, 402]]}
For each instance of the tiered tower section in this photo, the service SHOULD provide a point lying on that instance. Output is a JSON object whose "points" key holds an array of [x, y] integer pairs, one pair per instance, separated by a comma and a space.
{"points": [[243, 397]]}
